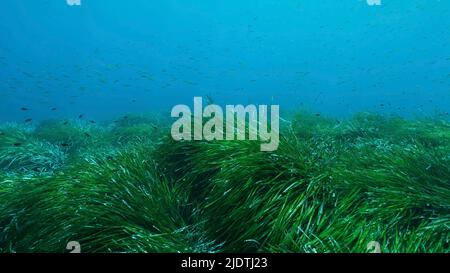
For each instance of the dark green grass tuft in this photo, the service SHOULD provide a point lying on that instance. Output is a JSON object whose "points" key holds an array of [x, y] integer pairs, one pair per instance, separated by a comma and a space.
{"points": [[22, 152], [118, 205]]}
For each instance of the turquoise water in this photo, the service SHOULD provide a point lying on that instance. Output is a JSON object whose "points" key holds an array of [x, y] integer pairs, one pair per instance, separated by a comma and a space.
{"points": [[103, 59]]}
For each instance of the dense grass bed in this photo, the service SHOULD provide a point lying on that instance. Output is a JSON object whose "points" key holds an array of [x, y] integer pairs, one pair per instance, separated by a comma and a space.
{"points": [[126, 186]]}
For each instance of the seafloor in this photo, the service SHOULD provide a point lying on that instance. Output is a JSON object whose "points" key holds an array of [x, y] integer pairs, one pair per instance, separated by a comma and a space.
{"points": [[126, 186]]}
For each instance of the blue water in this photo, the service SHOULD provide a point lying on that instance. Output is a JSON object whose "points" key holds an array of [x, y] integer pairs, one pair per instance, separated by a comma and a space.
{"points": [[110, 57]]}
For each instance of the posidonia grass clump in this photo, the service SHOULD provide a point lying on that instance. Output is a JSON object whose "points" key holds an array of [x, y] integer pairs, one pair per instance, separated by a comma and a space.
{"points": [[74, 136], [132, 129], [117, 205], [156, 119], [140, 133], [406, 191], [315, 193], [20, 151], [333, 185], [430, 131]]}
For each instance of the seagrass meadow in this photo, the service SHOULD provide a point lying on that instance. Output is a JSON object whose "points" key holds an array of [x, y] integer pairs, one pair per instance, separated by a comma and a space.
{"points": [[127, 186]]}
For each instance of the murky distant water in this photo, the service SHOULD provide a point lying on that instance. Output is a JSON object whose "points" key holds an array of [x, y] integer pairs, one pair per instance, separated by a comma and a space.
{"points": [[106, 58]]}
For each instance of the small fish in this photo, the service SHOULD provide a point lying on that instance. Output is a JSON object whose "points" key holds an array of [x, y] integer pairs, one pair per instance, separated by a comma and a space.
{"points": [[86, 134], [92, 121], [209, 100], [28, 120], [80, 116], [65, 122], [17, 144], [64, 144], [53, 109], [24, 109], [317, 115]]}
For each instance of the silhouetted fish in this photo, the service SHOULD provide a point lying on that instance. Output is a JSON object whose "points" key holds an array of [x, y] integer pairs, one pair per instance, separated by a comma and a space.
{"points": [[64, 144], [53, 109], [28, 120], [24, 109], [17, 144], [80, 116], [209, 100]]}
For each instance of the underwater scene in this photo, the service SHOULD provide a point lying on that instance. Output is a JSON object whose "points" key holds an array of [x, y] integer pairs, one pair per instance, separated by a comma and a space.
{"points": [[224, 126]]}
